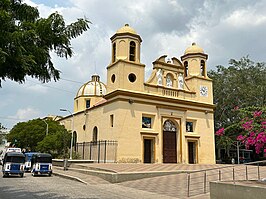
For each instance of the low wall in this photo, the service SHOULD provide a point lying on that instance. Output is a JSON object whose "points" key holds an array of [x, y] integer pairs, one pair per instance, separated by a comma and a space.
{"points": [[60, 162], [239, 190]]}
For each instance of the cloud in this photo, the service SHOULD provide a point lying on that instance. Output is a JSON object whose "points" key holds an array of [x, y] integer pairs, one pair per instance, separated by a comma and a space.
{"points": [[37, 88], [224, 29], [27, 113]]}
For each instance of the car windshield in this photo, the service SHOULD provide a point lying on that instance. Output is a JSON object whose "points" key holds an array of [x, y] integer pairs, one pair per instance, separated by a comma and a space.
{"points": [[15, 159], [44, 159]]}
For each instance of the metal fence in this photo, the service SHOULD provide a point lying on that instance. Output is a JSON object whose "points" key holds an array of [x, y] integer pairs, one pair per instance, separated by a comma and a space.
{"points": [[198, 181], [100, 151]]}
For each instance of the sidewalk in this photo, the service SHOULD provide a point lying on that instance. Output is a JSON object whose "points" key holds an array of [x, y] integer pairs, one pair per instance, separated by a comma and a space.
{"points": [[116, 173], [79, 177], [165, 179]]}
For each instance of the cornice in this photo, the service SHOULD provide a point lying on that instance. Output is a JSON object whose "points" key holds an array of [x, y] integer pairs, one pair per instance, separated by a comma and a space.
{"points": [[147, 96], [125, 61]]}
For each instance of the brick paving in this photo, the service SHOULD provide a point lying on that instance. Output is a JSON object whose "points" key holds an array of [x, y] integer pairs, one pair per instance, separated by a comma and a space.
{"points": [[88, 179], [174, 185], [124, 167]]}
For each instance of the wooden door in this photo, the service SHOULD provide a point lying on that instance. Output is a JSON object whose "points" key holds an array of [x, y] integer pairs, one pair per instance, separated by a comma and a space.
{"points": [[191, 152], [169, 147], [147, 151]]}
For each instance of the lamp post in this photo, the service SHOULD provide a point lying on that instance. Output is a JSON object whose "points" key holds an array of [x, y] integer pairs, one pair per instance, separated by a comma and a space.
{"points": [[46, 127], [72, 128]]}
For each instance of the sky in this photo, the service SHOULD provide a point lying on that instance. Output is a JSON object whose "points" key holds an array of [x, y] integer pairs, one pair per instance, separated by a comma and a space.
{"points": [[225, 29]]}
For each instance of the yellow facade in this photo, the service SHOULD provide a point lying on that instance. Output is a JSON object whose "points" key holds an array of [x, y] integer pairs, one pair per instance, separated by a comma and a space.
{"points": [[167, 119]]}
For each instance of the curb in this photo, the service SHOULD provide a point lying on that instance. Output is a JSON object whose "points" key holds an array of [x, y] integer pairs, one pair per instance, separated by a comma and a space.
{"points": [[69, 177], [125, 176]]}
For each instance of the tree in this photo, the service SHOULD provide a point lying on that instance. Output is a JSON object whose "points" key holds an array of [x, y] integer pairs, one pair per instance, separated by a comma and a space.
{"points": [[55, 144], [250, 130], [31, 135], [241, 84], [26, 41], [253, 128]]}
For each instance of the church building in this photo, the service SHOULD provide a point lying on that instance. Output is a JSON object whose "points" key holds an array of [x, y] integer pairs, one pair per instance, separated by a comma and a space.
{"points": [[167, 119]]}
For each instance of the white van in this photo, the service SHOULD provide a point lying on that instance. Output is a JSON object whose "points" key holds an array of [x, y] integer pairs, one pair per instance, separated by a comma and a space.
{"points": [[9, 149]]}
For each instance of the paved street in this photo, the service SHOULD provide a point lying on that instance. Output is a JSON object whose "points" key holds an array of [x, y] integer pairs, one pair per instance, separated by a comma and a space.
{"points": [[167, 187], [56, 187]]}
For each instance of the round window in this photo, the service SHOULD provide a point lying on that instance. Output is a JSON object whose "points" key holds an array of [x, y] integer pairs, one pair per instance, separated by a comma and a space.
{"points": [[132, 77], [113, 78]]}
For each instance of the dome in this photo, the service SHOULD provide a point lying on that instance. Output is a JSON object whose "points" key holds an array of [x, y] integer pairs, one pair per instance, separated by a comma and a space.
{"points": [[92, 88], [194, 49], [126, 29]]}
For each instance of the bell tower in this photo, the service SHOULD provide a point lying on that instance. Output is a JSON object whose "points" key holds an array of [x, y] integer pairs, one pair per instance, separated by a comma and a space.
{"points": [[125, 70], [195, 72], [194, 60]]}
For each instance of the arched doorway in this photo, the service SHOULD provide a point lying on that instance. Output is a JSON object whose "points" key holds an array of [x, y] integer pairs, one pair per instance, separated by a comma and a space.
{"points": [[169, 142], [95, 134], [74, 140]]}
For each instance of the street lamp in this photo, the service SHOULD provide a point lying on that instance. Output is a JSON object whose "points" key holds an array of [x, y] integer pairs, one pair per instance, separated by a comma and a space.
{"points": [[72, 128], [46, 127]]}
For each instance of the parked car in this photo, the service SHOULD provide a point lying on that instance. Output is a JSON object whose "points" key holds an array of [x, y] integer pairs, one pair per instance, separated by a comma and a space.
{"points": [[28, 157], [6, 150], [13, 164], [41, 163]]}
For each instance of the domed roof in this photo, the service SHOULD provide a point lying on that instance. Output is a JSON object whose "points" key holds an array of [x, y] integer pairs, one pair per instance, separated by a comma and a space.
{"points": [[194, 49], [126, 29], [92, 88]]}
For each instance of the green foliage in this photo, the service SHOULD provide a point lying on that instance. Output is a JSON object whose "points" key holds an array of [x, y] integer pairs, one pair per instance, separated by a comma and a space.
{"points": [[26, 41], [241, 84], [250, 130], [229, 137], [238, 89], [55, 144], [32, 136], [253, 125]]}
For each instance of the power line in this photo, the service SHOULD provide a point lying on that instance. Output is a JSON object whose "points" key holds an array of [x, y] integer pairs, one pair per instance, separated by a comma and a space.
{"points": [[72, 81], [51, 87]]}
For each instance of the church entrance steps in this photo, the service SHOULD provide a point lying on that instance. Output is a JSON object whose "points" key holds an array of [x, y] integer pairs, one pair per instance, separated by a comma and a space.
{"points": [[117, 177], [116, 173], [92, 168]]}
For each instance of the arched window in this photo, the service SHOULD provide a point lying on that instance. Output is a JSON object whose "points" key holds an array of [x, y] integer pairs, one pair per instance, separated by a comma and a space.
{"points": [[186, 68], [132, 51], [114, 52], [169, 126], [202, 68], [95, 134], [88, 103]]}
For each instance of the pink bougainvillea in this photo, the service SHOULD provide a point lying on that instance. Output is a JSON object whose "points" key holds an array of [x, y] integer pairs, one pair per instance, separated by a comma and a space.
{"points": [[257, 113], [253, 131], [247, 125], [220, 132], [263, 124], [241, 138]]}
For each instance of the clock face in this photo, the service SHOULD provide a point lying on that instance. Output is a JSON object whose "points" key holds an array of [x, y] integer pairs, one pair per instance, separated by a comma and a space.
{"points": [[204, 91]]}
